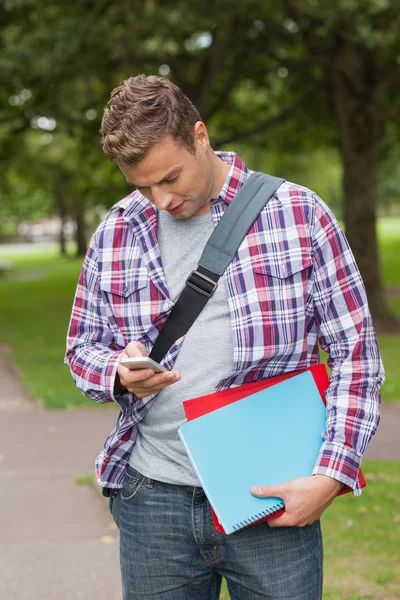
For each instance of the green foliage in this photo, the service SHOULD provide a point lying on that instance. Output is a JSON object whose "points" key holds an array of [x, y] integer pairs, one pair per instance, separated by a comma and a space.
{"points": [[261, 75], [60, 61], [319, 170], [20, 201], [389, 192]]}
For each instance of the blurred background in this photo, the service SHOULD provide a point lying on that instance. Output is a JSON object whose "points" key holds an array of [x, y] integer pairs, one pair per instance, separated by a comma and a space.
{"points": [[308, 90]]}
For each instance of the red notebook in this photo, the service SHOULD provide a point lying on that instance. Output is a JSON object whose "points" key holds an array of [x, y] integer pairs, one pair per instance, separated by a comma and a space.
{"points": [[197, 407]]}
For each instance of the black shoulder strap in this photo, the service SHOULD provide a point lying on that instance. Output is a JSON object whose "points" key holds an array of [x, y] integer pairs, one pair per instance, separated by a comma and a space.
{"points": [[219, 251]]}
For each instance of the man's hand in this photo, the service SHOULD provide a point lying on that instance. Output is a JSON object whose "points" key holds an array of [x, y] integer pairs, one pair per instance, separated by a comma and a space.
{"points": [[305, 499], [143, 382]]}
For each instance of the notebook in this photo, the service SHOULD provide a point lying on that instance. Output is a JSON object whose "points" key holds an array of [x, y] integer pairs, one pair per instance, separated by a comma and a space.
{"points": [[271, 436], [196, 407]]}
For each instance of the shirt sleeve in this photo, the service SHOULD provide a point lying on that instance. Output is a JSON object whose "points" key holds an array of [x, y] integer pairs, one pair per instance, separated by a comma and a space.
{"points": [[346, 332], [92, 353]]}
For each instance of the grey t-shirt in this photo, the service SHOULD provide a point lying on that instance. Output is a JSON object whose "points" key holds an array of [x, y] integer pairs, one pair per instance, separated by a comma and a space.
{"points": [[205, 358]]}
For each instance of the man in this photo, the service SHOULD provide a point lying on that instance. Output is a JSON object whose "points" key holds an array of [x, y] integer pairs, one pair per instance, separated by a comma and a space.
{"points": [[292, 283]]}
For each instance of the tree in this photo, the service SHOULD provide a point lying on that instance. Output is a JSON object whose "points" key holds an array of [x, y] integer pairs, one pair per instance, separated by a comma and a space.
{"points": [[356, 45], [348, 52], [313, 73]]}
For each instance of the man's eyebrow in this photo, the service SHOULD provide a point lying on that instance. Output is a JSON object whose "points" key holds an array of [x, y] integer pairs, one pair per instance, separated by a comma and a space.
{"points": [[174, 171]]}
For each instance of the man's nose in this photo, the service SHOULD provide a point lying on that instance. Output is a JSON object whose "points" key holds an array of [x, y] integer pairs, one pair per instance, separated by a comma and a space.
{"points": [[161, 198]]}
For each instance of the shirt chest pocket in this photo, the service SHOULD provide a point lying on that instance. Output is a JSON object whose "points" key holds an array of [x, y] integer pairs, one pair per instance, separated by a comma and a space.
{"points": [[126, 299], [283, 289]]}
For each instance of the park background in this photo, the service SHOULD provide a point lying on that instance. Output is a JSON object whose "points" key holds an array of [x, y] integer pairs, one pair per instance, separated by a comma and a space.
{"points": [[302, 89]]}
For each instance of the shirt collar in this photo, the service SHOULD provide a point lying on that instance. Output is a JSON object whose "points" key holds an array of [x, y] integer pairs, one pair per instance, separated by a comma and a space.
{"points": [[238, 173]]}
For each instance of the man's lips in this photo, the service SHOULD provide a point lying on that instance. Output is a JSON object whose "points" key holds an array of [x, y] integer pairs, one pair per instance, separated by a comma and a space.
{"points": [[176, 209]]}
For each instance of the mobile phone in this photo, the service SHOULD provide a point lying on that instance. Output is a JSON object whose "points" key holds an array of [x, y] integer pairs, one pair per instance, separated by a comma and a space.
{"points": [[142, 362]]}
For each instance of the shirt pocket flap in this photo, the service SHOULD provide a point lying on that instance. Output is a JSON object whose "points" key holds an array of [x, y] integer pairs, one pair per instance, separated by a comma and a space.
{"points": [[283, 266], [125, 282]]}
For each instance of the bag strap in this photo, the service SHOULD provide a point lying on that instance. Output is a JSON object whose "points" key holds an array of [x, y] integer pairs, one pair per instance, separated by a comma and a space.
{"points": [[218, 253]]}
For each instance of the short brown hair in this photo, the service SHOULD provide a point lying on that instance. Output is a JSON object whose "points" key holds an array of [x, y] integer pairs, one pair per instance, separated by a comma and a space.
{"points": [[141, 110]]}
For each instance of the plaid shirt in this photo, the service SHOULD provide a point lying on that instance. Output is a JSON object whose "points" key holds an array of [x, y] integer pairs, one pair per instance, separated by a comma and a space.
{"points": [[292, 283]]}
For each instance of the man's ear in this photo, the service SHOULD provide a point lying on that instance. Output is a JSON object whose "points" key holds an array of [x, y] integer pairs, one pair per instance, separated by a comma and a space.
{"points": [[201, 135]]}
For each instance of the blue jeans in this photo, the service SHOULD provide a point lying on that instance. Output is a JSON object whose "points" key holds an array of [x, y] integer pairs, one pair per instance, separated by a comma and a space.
{"points": [[170, 550]]}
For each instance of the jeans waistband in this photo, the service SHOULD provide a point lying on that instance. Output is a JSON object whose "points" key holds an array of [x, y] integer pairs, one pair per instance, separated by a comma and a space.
{"points": [[134, 473]]}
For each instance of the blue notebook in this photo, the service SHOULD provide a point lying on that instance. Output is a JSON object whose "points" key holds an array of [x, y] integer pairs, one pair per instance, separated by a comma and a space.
{"points": [[269, 437]]}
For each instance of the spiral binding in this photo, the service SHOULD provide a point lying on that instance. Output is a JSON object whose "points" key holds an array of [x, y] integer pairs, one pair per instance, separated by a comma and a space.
{"points": [[257, 517]]}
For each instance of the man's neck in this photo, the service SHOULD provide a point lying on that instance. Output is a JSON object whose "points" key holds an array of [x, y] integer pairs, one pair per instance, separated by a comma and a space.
{"points": [[221, 170]]}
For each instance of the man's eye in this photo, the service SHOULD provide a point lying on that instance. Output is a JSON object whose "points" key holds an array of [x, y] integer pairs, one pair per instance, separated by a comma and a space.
{"points": [[171, 180]]}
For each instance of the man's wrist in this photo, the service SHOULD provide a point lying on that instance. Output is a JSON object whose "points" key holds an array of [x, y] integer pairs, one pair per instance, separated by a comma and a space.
{"points": [[331, 484], [118, 387]]}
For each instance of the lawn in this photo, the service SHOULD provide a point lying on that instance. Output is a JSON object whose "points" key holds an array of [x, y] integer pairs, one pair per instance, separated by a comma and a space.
{"points": [[35, 306]]}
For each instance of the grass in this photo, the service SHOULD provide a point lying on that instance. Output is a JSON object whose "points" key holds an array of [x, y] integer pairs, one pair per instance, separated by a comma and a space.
{"points": [[34, 314], [389, 242], [35, 306], [85, 479], [361, 539]]}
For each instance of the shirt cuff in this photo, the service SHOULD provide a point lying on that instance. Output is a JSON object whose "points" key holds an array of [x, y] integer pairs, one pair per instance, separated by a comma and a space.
{"points": [[340, 463], [123, 399]]}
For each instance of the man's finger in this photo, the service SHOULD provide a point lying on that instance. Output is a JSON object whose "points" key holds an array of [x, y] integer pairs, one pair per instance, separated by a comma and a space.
{"points": [[153, 384], [144, 392], [160, 379], [284, 521], [133, 376], [267, 491]]}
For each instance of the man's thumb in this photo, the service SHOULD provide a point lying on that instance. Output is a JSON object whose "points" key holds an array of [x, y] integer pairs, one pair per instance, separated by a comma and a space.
{"points": [[135, 349], [268, 491]]}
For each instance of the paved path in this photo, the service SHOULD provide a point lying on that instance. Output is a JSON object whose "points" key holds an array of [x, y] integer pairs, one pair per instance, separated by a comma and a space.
{"points": [[57, 538]]}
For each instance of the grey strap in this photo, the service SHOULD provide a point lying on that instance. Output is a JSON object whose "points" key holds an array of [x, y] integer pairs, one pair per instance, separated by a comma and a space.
{"points": [[217, 255], [237, 220]]}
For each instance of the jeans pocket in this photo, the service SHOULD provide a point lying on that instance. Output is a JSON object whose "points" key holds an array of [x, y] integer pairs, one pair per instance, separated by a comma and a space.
{"points": [[132, 487]]}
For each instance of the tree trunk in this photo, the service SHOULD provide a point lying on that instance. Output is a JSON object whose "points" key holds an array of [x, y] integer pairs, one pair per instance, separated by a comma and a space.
{"points": [[80, 235], [359, 112], [61, 211]]}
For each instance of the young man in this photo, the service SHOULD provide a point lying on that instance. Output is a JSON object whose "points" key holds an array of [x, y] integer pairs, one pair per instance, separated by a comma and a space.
{"points": [[292, 283]]}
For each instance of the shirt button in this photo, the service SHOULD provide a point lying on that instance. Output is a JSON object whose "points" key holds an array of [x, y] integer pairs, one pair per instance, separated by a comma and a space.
{"points": [[126, 289]]}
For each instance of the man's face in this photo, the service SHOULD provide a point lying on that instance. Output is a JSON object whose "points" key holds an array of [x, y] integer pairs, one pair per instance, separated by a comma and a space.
{"points": [[173, 179]]}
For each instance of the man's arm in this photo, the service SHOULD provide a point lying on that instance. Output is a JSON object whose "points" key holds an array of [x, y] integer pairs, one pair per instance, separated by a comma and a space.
{"points": [[353, 399], [346, 332], [92, 353]]}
